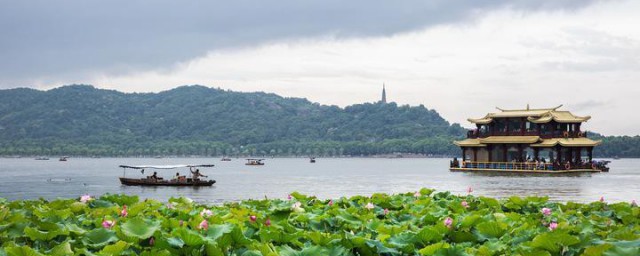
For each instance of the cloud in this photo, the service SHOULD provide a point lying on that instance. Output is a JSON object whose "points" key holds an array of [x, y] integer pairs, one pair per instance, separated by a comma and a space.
{"points": [[461, 70], [51, 40]]}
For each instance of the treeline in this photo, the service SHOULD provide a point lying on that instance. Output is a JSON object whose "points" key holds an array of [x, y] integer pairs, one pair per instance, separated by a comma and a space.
{"points": [[195, 120], [435, 146]]}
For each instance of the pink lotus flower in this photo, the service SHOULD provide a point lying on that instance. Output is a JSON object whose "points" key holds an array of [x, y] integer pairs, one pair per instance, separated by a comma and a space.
{"points": [[108, 224], [289, 197], [417, 194], [204, 225], [206, 213], [152, 241], [330, 203], [469, 190], [267, 222], [85, 198], [386, 211], [465, 204], [181, 223], [602, 199], [170, 206], [633, 203], [253, 218], [546, 211], [369, 206], [447, 222], [124, 212], [553, 225]]}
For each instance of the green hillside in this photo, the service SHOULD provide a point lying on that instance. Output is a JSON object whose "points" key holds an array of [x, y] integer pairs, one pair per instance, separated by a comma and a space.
{"points": [[197, 120]]}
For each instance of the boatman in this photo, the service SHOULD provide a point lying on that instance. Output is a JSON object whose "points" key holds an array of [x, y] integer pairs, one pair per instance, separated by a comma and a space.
{"points": [[197, 174]]}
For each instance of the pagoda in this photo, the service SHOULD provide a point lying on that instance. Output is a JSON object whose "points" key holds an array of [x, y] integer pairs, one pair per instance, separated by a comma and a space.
{"points": [[530, 140]]}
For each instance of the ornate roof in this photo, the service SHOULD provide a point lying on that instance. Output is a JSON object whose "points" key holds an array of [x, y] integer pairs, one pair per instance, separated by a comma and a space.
{"points": [[568, 142], [533, 141], [543, 115]]}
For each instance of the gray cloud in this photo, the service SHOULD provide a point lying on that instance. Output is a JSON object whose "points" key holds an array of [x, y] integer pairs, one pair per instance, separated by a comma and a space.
{"points": [[72, 39]]}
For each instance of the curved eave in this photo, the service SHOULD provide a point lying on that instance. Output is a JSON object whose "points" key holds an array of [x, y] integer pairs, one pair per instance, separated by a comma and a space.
{"points": [[480, 120], [559, 118], [510, 140], [577, 142], [469, 143]]}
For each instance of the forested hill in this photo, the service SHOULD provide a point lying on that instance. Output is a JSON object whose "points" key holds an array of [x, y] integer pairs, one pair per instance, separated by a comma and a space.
{"points": [[197, 120]]}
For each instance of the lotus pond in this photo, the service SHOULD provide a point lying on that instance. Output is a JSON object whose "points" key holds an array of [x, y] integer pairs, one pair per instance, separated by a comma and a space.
{"points": [[422, 222]]}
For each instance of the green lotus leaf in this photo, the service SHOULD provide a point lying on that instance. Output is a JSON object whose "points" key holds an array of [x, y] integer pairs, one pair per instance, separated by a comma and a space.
{"points": [[404, 241], [114, 249], [430, 234], [98, 203], [622, 251], [251, 253], [38, 235], [99, 237], [431, 249], [490, 229], [63, 249], [120, 199], [553, 241], [189, 237], [217, 231], [21, 251], [140, 228], [175, 242]]}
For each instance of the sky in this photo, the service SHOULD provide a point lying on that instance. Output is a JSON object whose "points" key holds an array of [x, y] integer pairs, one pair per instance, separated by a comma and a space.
{"points": [[461, 58]]}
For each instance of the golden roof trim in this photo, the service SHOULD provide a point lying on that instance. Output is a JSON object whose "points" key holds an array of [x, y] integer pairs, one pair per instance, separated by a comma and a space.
{"points": [[469, 143], [510, 140], [568, 142]]}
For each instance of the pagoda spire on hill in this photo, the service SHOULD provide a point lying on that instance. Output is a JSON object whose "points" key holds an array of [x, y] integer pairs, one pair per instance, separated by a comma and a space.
{"points": [[384, 95]]}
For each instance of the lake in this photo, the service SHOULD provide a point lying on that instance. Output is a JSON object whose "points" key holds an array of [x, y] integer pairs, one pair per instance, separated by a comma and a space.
{"points": [[26, 178]]}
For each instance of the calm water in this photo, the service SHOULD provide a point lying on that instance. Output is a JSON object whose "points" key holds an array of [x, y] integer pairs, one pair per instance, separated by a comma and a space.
{"points": [[27, 178]]}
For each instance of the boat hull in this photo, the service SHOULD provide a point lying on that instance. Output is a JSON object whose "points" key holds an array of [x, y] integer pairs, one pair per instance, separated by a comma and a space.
{"points": [[148, 182], [455, 169]]}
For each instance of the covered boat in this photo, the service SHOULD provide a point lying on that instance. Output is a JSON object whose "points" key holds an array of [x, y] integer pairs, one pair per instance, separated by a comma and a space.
{"points": [[177, 180], [254, 161], [528, 140]]}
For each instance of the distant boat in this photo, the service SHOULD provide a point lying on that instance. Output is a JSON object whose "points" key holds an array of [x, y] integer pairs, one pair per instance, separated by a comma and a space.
{"points": [[63, 159], [42, 158], [312, 160], [225, 159], [178, 181], [616, 157], [254, 161]]}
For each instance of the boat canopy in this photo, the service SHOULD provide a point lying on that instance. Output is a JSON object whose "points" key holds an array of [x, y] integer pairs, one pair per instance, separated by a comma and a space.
{"points": [[255, 159], [164, 166]]}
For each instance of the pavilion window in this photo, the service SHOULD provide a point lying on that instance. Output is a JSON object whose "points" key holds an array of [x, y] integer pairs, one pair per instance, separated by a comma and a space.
{"points": [[514, 125]]}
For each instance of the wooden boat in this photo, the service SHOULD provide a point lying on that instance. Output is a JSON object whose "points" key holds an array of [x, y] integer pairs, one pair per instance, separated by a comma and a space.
{"points": [[225, 159], [528, 140], [312, 160], [42, 158], [177, 181], [254, 161], [63, 159]]}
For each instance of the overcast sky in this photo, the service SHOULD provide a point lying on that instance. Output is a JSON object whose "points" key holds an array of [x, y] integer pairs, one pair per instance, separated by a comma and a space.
{"points": [[462, 58]]}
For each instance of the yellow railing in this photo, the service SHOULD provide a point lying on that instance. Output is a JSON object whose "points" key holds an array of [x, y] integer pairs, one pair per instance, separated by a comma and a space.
{"points": [[507, 165]]}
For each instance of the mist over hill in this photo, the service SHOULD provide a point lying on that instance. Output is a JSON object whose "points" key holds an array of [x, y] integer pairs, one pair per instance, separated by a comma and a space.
{"points": [[197, 120]]}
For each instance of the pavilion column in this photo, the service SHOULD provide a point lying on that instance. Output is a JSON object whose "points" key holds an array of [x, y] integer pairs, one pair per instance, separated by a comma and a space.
{"points": [[463, 153], [578, 154], [490, 152], [475, 154], [520, 152], [558, 154], [504, 152], [590, 153], [522, 126], [536, 153]]}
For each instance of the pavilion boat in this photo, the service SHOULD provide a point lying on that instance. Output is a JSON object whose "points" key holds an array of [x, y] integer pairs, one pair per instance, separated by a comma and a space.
{"points": [[254, 161], [528, 141], [177, 181]]}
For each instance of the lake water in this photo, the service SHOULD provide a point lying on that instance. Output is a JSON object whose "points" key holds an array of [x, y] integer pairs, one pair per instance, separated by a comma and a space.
{"points": [[26, 178]]}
